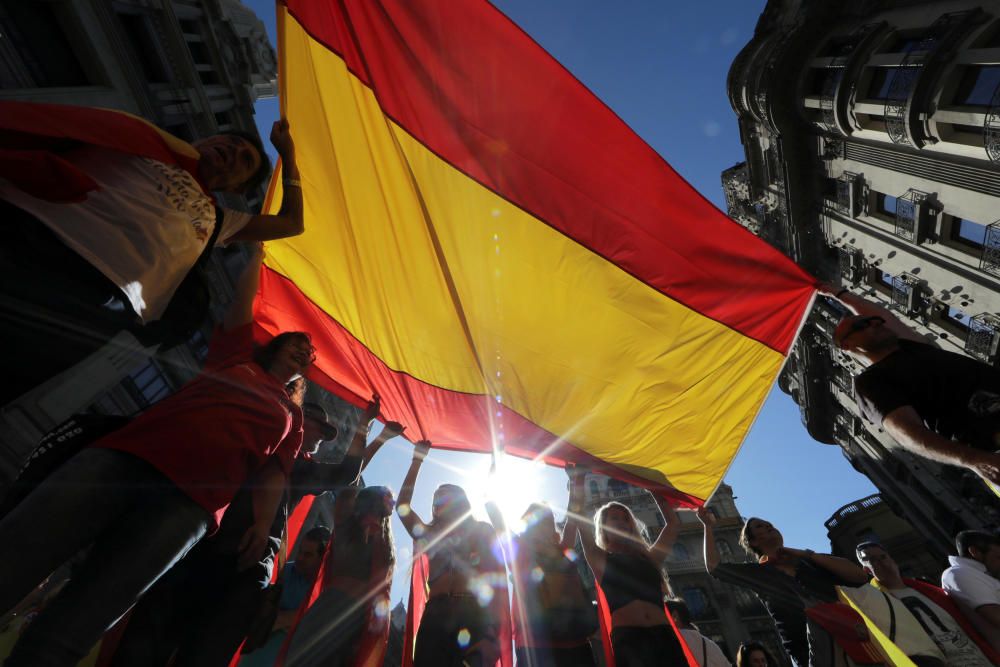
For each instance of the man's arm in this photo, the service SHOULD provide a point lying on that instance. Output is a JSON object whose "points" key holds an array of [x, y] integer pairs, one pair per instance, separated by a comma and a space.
{"points": [[907, 428], [268, 489], [862, 306], [240, 311], [288, 220], [840, 567]]}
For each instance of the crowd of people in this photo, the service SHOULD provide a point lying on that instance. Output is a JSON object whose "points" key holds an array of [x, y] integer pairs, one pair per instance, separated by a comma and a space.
{"points": [[175, 525]]}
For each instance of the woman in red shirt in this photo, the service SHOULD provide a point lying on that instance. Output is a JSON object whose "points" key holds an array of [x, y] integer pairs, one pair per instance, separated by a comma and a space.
{"points": [[141, 497]]}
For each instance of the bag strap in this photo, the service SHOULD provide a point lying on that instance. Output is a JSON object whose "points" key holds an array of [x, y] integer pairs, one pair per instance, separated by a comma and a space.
{"points": [[704, 651], [212, 239], [892, 617]]}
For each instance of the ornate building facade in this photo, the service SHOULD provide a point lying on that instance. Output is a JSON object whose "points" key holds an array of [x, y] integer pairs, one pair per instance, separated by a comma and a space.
{"points": [[729, 615], [871, 520], [193, 67], [872, 140]]}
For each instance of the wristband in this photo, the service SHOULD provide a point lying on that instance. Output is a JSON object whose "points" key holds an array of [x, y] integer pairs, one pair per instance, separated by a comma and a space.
{"points": [[292, 182]]}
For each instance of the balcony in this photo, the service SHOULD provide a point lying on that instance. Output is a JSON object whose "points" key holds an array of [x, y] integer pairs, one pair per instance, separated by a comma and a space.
{"points": [[850, 509], [852, 264], [850, 188], [906, 294], [983, 340], [990, 263], [911, 215], [991, 128]]}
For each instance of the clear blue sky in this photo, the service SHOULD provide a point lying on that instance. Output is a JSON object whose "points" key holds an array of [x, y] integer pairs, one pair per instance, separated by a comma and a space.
{"points": [[662, 67]]}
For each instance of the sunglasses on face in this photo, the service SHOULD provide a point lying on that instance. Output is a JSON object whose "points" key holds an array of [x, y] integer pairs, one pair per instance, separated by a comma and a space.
{"points": [[860, 325]]}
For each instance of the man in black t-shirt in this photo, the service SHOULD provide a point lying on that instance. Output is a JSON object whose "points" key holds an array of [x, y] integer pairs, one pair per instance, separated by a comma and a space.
{"points": [[941, 405]]}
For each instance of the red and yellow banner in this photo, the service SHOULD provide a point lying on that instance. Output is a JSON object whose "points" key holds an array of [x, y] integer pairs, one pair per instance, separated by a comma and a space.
{"points": [[499, 256]]}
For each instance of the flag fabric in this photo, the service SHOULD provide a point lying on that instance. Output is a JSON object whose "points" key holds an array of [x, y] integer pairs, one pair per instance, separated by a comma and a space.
{"points": [[499, 256], [890, 652]]}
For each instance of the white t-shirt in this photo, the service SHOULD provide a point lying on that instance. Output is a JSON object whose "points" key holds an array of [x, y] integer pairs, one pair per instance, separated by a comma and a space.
{"points": [[972, 587], [958, 649], [144, 229], [705, 651]]}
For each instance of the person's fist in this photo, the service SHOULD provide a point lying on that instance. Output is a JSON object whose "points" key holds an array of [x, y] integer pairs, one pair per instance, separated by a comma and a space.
{"points": [[421, 449], [281, 138], [392, 429], [706, 516]]}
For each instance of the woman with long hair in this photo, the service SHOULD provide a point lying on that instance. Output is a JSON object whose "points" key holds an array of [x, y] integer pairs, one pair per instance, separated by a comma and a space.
{"points": [[462, 622], [553, 617], [348, 624], [144, 495], [627, 570], [753, 654]]}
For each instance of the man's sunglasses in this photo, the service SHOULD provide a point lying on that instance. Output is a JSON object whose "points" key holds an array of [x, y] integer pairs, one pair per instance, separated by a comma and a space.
{"points": [[860, 325]]}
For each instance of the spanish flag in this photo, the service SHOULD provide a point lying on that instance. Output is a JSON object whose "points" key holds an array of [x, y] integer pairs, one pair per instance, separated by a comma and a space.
{"points": [[510, 266]]}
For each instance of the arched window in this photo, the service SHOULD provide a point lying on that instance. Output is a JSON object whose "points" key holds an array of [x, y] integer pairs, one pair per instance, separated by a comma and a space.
{"points": [[595, 490], [697, 601], [680, 553], [724, 548]]}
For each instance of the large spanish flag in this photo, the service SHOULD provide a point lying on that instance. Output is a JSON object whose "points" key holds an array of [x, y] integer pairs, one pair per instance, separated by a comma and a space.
{"points": [[499, 256]]}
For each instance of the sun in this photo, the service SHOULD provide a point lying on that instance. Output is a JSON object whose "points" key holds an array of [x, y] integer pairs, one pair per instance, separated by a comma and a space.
{"points": [[513, 487]]}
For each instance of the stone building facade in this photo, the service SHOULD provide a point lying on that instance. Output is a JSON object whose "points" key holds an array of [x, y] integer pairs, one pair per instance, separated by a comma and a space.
{"points": [[193, 67], [871, 520], [872, 140]]}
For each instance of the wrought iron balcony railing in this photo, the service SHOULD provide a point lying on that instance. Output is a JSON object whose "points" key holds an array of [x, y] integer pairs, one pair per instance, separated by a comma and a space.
{"points": [[991, 128], [983, 339], [906, 293], [990, 263], [908, 215]]}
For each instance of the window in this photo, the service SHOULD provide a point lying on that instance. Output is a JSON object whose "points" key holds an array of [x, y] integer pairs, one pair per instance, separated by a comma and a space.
{"points": [[886, 205], [696, 600], [617, 488], [724, 548], [680, 553], [881, 83], [41, 45], [978, 85], [955, 321], [149, 383], [968, 232], [139, 35], [595, 490]]}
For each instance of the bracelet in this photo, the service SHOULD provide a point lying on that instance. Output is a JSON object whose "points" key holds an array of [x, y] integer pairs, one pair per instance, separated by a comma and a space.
{"points": [[292, 182], [837, 295]]}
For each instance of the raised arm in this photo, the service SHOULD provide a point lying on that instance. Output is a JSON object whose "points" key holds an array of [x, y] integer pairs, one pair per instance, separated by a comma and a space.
{"points": [[712, 557], [908, 429], [596, 556], [241, 309], [388, 432], [862, 306], [288, 220], [573, 508], [413, 524], [842, 568], [268, 489], [357, 446], [664, 543]]}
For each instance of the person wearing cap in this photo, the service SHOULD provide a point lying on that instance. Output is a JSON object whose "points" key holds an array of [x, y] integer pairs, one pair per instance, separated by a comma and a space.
{"points": [[203, 608], [937, 404]]}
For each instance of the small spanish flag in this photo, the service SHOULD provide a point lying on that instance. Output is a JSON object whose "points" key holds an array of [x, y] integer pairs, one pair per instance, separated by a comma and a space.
{"points": [[509, 265]]}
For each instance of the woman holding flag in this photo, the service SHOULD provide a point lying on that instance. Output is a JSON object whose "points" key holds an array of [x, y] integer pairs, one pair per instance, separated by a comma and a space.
{"points": [[553, 616], [463, 621], [630, 586]]}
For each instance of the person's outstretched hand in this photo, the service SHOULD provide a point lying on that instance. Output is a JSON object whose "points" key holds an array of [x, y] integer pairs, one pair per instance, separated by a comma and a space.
{"points": [[281, 138], [421, 449]]}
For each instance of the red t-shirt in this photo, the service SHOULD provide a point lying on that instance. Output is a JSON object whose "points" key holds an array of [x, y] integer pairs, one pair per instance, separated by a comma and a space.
{"points": [[220, 428]]}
